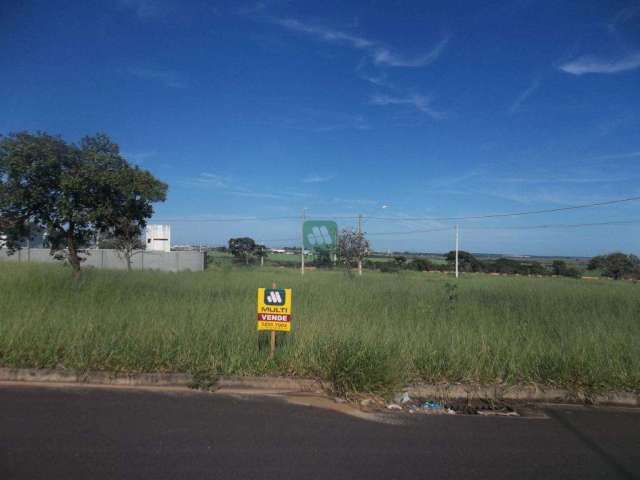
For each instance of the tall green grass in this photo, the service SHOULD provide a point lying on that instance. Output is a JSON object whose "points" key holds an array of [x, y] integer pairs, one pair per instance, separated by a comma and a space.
{"points": [[369, 333]]}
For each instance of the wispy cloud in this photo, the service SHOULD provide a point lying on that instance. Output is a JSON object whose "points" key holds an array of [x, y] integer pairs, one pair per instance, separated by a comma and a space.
{"points": [[145, 9], [313, 178], [617, 156], [325, 34], [139, 157], [515, 106], [417, 101], [225, 185], [386, 56], [591, 64], [623, 16], [168, 78], [379, 53], [208, 180]]}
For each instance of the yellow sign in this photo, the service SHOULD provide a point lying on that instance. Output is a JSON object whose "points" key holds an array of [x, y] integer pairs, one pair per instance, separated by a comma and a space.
{"points": [[274, 309]]}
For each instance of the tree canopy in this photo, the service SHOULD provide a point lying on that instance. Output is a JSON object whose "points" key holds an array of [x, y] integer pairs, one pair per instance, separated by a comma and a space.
{"points": [[243, 248], [71, 191], [466, 261], [352, 247]]}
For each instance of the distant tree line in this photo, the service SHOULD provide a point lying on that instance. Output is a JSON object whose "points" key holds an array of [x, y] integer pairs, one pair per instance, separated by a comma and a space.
{"points": [[353, 248], [615, 265]]}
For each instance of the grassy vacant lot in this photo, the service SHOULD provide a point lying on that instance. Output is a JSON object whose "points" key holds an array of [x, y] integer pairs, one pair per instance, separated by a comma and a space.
{"points": [[364, 334]]}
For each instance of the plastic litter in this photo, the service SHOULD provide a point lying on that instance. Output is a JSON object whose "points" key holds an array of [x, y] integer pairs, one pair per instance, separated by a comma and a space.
{"points": [[394, 406], [402, 398], [431, 405]]}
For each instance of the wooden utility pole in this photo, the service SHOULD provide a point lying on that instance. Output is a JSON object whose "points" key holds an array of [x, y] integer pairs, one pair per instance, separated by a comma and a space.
{"points": [[304, 214], [359, 242], [457, 248]]}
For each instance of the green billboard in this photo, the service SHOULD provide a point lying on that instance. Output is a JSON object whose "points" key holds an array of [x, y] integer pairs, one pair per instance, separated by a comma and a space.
{"points": [[320, 235]]}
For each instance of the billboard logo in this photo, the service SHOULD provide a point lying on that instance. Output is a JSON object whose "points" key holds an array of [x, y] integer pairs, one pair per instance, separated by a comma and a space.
{"points": [[320, 235]]}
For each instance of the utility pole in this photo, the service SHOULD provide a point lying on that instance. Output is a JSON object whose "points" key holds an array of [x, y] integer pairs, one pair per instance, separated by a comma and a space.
{"points": [[457, 247], [360, 240], [304, 214]]}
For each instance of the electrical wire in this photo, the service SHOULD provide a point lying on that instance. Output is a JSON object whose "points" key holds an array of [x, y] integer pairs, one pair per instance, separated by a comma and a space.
{"points": [[513, 214], [396, 219], [524, 227]]}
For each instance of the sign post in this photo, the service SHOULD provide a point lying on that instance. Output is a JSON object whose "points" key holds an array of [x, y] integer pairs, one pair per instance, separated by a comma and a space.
{"points": [[274, 312]]}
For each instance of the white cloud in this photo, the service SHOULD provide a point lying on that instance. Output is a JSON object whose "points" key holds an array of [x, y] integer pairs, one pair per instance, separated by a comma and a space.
{"points": [[385, 56], [325, 34], [313, 178], [378, 51], [515, 106], [168, 78], [590, 64], [419, 102]]}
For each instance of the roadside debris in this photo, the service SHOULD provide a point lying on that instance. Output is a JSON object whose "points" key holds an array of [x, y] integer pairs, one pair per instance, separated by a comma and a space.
{"points": [[431, 405], [403, 402], [402, 398]]}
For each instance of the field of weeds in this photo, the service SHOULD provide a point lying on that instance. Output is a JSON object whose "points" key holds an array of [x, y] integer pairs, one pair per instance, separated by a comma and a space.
{"points": [[364, 334]]}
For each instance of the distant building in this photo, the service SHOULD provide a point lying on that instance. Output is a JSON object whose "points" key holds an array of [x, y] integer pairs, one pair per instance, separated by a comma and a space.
{"points": [[158, 238]]}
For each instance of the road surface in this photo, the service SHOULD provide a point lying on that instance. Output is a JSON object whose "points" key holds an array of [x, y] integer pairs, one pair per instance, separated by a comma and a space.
{"points": [[93, 433]]}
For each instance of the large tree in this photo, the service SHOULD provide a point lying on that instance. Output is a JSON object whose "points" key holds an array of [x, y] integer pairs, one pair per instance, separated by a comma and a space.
{"points": [[71, 191], [619, 265], [135, 191], [243, 248], [466, 261]]}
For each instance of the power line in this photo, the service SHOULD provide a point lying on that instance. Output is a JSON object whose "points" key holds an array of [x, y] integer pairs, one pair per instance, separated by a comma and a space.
{"points": [[513, 214], [410, 231], [396, 219], [574, 225], [531, 227], [237, 219], [248, 219]]}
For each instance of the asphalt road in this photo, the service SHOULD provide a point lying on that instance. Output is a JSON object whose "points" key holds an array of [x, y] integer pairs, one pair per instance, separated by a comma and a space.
{"points": [[98, 433]]}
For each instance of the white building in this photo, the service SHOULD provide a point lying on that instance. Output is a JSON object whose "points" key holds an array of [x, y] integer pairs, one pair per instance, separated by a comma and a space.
{"points": [[158, 238]]}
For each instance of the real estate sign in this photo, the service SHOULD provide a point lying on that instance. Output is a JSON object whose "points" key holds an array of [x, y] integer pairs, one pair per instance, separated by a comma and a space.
{"points": [[320, 235], [274, 309]]}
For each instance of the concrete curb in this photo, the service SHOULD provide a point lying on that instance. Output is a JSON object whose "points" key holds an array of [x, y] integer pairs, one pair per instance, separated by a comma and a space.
{"points": [[95, 378], [281, 384], [285, 384], [528, 393]]}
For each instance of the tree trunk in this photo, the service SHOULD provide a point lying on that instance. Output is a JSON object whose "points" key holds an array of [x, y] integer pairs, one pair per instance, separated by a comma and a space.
{"points": [[74, 259]]}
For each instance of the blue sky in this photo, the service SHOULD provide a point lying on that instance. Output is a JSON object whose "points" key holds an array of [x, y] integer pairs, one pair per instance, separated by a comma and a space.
{"points": [[389, 109]]}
